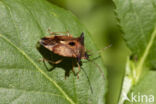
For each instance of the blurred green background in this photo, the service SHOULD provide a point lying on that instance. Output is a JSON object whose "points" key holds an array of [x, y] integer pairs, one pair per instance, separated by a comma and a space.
{"points": [[99, 18]]}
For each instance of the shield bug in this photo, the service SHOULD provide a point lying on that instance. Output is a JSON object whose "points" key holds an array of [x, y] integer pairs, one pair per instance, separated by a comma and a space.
{"points": [[67, 52], [67, 48]]}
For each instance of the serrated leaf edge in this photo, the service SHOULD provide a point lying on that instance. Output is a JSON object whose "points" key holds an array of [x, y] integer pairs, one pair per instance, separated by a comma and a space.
{"points": [[133, 73]]}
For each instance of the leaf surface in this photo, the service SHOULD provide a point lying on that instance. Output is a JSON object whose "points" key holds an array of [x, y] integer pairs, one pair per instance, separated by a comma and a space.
{"points": [[23, 79], [137, 19]]}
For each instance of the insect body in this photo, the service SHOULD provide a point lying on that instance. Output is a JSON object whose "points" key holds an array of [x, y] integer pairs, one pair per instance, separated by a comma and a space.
{"points": [[67, 52], [66, 47]]}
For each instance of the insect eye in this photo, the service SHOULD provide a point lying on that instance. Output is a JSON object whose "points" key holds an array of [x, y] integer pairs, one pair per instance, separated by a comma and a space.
{"points": [[71, 43]]}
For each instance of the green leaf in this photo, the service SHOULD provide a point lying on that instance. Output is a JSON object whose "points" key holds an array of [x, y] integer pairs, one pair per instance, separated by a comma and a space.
{"points": [[25, 80], [146, 87], [137, 20]]}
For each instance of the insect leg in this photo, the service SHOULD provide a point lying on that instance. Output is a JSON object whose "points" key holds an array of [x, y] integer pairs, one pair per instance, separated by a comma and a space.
{"points": [[52, 62], [43, 60], [73, 69], [78, 71], [55, 33], [58, 61]]}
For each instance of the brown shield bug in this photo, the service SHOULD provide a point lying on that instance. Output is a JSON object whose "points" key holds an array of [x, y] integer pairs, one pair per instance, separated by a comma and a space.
{"points": [[67, 51], [67, 47]]}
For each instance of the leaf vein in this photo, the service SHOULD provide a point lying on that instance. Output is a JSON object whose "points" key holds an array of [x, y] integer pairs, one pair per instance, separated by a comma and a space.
{"points": [[31, 91], [145, 54], [40, 70]]}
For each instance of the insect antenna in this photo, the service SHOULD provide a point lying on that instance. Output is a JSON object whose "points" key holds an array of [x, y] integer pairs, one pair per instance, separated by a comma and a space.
{"points": [[95, 58], [88, 80], [99, 57], [105, 48], [101, 50], [99, 69]]}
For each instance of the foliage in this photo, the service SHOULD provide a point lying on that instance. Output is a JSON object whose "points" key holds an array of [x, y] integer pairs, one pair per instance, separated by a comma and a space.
{"points": [[137, 20], [23, 79]]}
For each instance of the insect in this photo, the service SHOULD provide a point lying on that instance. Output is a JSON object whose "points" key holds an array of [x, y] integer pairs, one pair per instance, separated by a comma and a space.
{"points": [[66, 46], [67, 51]]}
